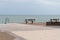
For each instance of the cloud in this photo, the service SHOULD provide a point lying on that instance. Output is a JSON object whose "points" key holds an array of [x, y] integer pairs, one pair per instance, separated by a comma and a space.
{"points": [[15, 0], [48, 2], [30, 6], [45, 2], [3, 0], [19, 0], [23, 0]]}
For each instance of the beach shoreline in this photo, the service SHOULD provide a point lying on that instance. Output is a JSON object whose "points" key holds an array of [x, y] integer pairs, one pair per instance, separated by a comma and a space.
{"points": [[37, 23], [32, 32]]}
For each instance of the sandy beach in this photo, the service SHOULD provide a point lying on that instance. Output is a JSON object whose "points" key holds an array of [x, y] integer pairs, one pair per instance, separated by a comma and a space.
{"points": [[33, 32], [37, 23]]}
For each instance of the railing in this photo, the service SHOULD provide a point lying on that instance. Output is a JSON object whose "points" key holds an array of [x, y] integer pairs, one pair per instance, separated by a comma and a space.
{"points": [[6, 20]]}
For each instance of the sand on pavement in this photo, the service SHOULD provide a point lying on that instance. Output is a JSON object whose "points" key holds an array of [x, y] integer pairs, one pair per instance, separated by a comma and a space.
{"points": [[31, 32]]}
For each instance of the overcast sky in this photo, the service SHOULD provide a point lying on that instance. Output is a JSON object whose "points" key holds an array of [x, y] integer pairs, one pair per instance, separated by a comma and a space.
{"points": [[29, 7]]}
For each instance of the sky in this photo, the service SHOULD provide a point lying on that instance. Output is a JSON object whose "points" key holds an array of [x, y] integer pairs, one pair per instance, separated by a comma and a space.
{"points": [[29, 7]]}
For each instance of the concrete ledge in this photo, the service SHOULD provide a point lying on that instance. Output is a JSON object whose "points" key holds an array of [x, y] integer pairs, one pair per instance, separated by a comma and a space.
{"points": [[6, 35]]}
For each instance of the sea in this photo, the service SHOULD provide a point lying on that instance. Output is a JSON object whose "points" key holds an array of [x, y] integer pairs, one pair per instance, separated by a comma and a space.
{"points": [[21, 18]]}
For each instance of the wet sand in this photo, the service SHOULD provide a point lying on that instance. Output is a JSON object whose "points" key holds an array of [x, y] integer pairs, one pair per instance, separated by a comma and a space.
{"points": [[37, 24]]}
